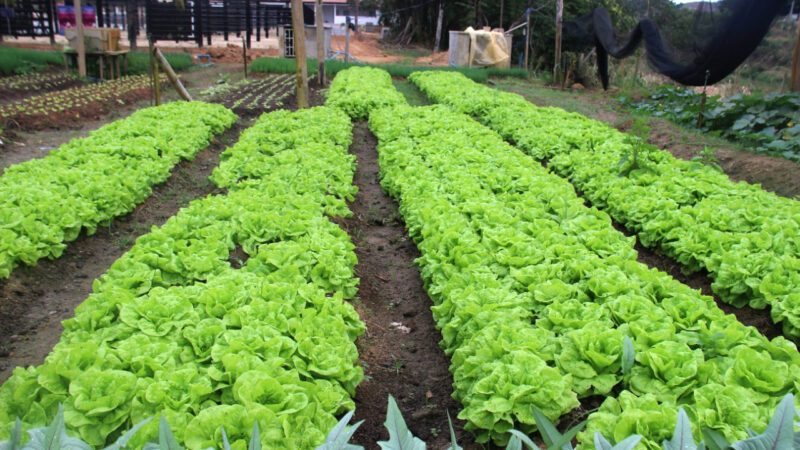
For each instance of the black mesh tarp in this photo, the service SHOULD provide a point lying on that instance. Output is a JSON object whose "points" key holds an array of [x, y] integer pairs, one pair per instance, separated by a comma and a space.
{"points": [[734, 40]]}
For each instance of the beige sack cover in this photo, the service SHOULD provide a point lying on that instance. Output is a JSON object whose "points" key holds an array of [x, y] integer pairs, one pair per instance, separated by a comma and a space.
{"points": [[489, 48]]}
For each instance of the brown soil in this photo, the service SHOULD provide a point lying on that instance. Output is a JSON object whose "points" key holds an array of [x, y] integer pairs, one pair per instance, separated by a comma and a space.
{"points": [[251, 99], [34, 300], [68, 118], [405, 363], [8, 95], [230, 53], [364, 47]]}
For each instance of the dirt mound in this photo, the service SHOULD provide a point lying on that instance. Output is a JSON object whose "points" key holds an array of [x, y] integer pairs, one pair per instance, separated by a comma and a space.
{"points": [[231, 53], [438, 59]]}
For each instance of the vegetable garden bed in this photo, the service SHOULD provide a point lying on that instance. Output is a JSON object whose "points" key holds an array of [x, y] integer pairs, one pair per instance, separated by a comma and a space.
{"points": [[63, 108], [744, 237], [255, 95], [21, 86], [47, 202]]}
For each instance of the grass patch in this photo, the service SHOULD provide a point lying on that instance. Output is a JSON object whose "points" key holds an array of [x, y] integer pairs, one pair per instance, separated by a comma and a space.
{"points": [[23, 60], [413, 95], [138, 62], [287, 65]]}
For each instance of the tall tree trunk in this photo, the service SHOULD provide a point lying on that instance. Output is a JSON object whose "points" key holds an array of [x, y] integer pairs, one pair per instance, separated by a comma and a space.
{"points": [[439, 19]]}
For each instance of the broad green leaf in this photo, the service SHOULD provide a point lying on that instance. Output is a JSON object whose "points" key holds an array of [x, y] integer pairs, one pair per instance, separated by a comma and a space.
{"points": [[682, 436], [453, 441], [779, 434], [15, 440], [123, 440], [400, 438]]}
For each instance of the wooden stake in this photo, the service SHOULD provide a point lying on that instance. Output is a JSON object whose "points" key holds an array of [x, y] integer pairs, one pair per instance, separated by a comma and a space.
{"points": [[796, 62], [502, 7], [81, 45], [156, 80], [173, 77], [301, 75], [244, 58], [439, 20], [347, 40], [319, 19], [358, 4], [559, 16], [527, 38]]}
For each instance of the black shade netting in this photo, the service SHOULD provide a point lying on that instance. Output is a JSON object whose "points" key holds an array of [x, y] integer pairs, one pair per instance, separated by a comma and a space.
{"points": [[732, 41]]}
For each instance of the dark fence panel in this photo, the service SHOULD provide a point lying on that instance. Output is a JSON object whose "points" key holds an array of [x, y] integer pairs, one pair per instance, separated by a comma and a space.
{"points": [[34, 18]]}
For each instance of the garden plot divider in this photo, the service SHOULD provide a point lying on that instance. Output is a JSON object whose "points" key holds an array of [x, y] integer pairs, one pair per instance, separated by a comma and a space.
{"points": [[233, 312], [746, 238]]}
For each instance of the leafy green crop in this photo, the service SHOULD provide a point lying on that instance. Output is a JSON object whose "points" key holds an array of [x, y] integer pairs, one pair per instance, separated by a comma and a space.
{"points": [[47, 202], [771, 123], [176, 329], [358, 90], [746, 238], [535, 294]]}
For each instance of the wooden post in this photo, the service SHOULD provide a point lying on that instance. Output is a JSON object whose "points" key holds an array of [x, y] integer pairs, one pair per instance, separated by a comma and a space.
{"points": [[502, 7], [319, 21], [81, 45], [301, 74], [527, 38], [347, 40], [173, 77], [358, 4], [439, 19], [244, 57], [796, 62], [154, 68], [559, 16], [132, 13]]}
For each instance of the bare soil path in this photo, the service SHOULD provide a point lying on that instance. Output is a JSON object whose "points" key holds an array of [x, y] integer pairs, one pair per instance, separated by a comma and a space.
{"points": [[400, 351]]}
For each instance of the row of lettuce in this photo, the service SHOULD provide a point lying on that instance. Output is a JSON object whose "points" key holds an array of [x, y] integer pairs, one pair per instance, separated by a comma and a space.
{"points": [[535, 293], [46, 203], [233, 312], [746, 238]]}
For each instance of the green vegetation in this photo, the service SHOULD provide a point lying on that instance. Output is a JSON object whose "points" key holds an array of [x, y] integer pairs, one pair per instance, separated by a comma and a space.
{"points": [[696, 215], [413, 95], [138, 62], [18, 61], [287, 65], [359, 90], [174, 330], [770, 123], [48, 202]]}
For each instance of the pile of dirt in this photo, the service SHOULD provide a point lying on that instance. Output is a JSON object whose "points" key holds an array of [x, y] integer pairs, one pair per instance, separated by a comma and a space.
{"points": [[231, 53], [364, 47], [438, 59]]}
